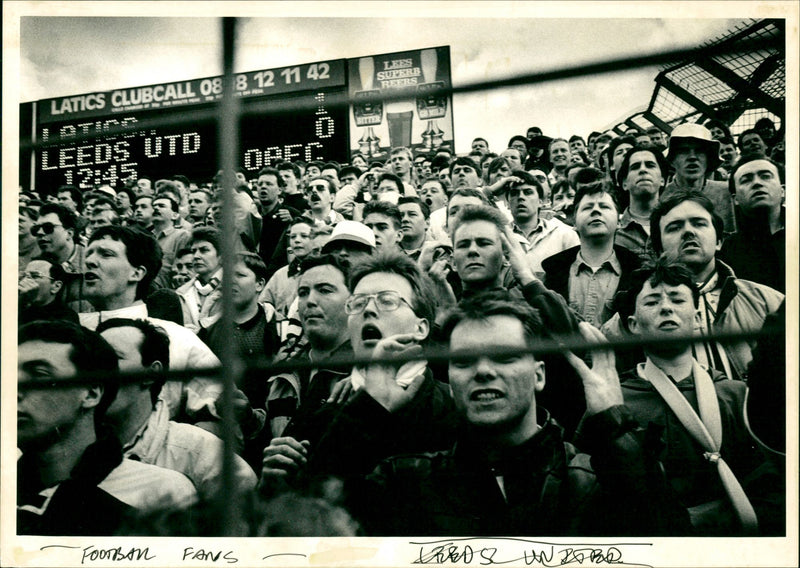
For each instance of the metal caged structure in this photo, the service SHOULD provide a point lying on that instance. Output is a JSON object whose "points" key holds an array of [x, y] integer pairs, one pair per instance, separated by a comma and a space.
{"points": [[737, 88]]}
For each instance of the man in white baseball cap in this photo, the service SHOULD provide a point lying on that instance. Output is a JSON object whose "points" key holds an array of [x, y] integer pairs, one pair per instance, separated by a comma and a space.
{"points": [[694, 155], [350, 242]]}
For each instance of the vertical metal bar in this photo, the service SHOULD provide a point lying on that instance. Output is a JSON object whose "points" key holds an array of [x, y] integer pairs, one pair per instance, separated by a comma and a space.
{"points": [[228, 128]]}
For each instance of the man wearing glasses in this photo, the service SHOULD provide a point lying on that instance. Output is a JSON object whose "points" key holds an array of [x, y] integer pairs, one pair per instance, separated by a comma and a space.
{"points": [[39, 292], [392, 408]]}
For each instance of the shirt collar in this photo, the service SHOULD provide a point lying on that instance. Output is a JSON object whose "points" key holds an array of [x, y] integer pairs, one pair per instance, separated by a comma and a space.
{"points": [[611, 263]]}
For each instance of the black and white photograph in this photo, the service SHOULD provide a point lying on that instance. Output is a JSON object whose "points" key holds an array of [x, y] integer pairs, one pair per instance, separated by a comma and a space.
{"points": [[400, 283]]}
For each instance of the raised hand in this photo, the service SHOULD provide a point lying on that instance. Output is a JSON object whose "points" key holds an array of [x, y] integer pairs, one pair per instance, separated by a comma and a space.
{"points": [[601, 382], [380, 379]]}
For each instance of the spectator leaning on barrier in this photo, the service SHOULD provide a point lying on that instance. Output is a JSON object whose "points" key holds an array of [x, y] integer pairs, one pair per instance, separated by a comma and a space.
{"points": [[73, 480], [694, 416], [757, 251], [686, 227], [140, 419]]}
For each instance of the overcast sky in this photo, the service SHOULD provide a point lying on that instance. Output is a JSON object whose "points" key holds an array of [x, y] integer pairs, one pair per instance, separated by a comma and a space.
{"points": [[72, 55]]}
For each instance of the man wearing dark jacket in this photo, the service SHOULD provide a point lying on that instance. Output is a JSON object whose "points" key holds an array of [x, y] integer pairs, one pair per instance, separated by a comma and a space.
{"points": [[394, 408], [511, 471], [588, 276]]}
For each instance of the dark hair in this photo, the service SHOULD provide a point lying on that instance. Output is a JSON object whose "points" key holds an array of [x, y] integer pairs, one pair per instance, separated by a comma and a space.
{"points": [[472, 213], [423, 207], [350, 170], [272, 172], [626, 161], [284, 166], [316, 164], [254, 263], [383, 208], [57, 272], [394, 179], [141, 249], [106, 201], [325, 259], [90, 353], [495, 303], [181, 178], [496, 164], [561, 185], [154, 347], [183, 252], [74, 192], [752, 158], [750, 132], [30, 212], [655, 271], [528, 179], [164, 193], [67, 217], [575, 137], [481, 139], [402, 265], [328, 183], [614, 144], [138, 198], [714, 123], [332, 166], [439, 163], [674, 199], [520, 138], [465, 161], [587, 175], [128, 192], [209, 234], [593, 189]]}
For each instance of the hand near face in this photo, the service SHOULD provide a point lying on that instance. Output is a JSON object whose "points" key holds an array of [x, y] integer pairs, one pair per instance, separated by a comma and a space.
{"points": [[601, 382], [381, 378], [516, 257]]}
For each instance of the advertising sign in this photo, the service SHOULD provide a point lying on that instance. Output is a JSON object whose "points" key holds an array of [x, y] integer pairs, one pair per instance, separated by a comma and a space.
{"points": [[418, 120]]}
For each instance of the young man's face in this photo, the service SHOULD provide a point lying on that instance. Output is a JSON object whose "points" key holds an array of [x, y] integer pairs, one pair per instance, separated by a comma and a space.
{"points": [[143, 210], [127, 343], [644, 174], [480, 146], [477, 252], [457, 203], [728, 154], [44, 414], [432, 193], [559, 154], [372, 324], [321, 294], [387, 235], [523, 201], [65, 199], [245, 286], [753, 144], [300, 239], [577, 145], [596, 216], [162, 211], [663, 310], [414, 224], [182, 270], [289, 180], [619, 155], [268, 190], [318, 195], [513, 157], [198, 204], [690, 159], [205, 259], [464, 176], [688, 235], [497, 393], [56, 241], [123, 201], [109, 274], [758, 186], [400, 164]]}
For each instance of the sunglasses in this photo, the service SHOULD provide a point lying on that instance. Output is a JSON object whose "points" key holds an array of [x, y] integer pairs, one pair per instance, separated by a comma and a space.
{"points": [[45, 228]]}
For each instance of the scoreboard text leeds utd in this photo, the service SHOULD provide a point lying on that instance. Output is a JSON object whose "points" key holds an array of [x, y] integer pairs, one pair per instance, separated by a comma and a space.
{"points": [[162, 130]]}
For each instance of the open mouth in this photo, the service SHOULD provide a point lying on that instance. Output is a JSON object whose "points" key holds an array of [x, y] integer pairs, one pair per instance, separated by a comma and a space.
{"points": [[371, 332], [90, 277], [690, 245], [485, 395]]}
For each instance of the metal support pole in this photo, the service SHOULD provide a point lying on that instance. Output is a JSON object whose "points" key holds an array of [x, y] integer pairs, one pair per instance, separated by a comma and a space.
{"points": [[228, 128]]}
